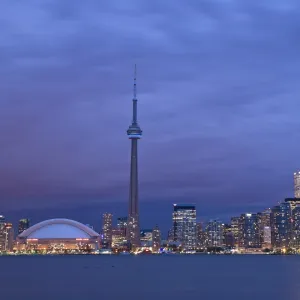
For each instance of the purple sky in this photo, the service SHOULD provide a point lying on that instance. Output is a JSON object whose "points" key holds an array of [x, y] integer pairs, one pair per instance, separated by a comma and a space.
{"points": [[218, 90]]}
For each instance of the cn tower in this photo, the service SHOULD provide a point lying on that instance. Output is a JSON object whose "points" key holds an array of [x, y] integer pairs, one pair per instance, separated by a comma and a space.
{"points": [[134, 133]]}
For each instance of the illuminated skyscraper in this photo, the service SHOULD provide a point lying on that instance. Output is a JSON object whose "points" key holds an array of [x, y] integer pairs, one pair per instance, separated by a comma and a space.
{"points": [[297, 184], [234, 225], [214, 231], [6, 235], [122, 224], [156, 239], [201, 236], [9, 231], [134, 133], [107, 230], [118, 239], [267, 237], [119, 234], [171, 235], [265, 228], [2, 233], [228, 236], [184, 225], [296, 227], [281, 225], [249, 231], [23, 225]]}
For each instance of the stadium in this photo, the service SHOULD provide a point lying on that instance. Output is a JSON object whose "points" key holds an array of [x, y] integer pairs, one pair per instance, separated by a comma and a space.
{"points": [[58, 236]]}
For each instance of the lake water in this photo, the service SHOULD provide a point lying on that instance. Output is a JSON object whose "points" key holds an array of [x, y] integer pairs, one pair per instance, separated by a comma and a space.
{"points": [[246, 277]]}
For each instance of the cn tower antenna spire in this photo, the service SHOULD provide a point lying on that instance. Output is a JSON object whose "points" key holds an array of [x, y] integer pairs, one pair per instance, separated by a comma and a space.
{"points": [[134, 84]]}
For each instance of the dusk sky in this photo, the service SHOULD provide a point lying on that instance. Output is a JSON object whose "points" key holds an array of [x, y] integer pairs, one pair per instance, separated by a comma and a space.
{"points": [[218, 90]]}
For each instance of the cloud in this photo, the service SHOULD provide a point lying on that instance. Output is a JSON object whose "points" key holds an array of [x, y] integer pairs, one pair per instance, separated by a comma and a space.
{"points": [[217, 88]]}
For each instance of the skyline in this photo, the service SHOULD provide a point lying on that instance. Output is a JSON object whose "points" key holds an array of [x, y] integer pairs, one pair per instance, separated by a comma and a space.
{"points": [[218, 100]]}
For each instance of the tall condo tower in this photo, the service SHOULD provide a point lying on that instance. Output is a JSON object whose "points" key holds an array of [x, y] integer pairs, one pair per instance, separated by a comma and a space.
{"points": [[297, 184], [134, 133]]}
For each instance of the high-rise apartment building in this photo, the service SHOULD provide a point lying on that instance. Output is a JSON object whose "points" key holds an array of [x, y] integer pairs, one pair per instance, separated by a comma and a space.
{"points": [[184, 225], [281, 225], [214, 231], [156, 239], [9, 236], [228, 237], [249, 231], [265, 228], [295, 239], [23, 225], [267, 237], [297, 184], [171, 235], [107, 230], [122, 223], [118, 239], [234, 226], [201, 236], [6, 235], [2, 233]]}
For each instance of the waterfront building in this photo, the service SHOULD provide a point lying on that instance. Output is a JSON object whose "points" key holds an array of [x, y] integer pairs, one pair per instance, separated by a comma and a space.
{"points": [[229, 240], [2, 233], [171, 235], [265, 228], [234, 226], [228, 237], [122, 224], [134, 133], [156, 239], [118, 239], [9, 240], [281, 225], [23, 225], [107, 220], [201, 236], [295, 242], [59, 236], [214, 231], [146, 237], [294, 221], [184, 225], [6, 235], [297, 184], [267, 238], [249, 231]]}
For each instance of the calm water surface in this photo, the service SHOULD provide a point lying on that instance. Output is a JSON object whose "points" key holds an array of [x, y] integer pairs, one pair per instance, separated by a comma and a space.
{"points": [[175, 277]]}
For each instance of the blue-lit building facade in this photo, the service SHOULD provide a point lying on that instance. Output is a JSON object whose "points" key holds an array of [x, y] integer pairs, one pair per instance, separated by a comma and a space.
{"points": [[184, 225], [281, 225], [249, 231], [214, 233], [295, 241]]}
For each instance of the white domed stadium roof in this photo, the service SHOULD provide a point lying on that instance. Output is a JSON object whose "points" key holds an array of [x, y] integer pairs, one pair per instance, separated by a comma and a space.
{"points": [[59, 229]]}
